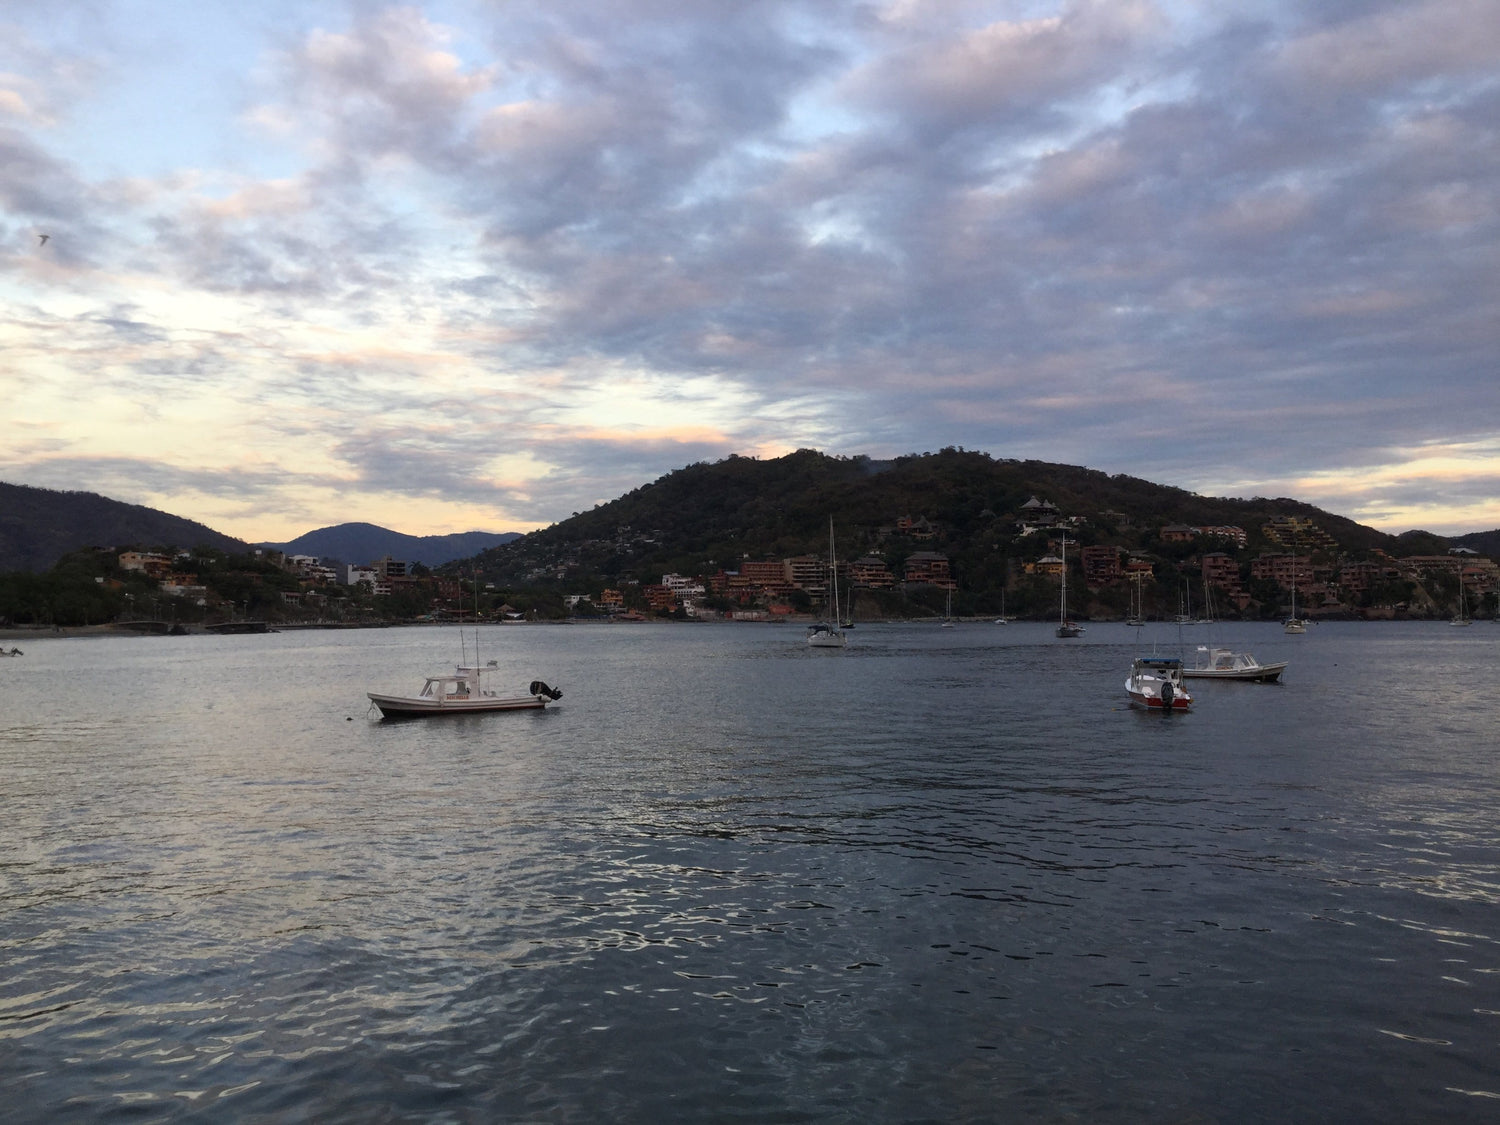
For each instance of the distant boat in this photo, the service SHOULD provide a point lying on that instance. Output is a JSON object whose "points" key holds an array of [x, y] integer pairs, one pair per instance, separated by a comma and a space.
{"points": [[1463, 607], [948, 621], [1208, 604], [827, 634], [235, 627], [1294, 624], [1224, 664], [463, 691], [1185, 605], [1066, 628], [1155, 683], [1137, 613], [1002, 619]]}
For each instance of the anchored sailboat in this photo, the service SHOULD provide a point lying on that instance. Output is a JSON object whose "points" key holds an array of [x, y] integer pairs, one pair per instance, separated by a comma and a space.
{"points": [[1066, 628], [828, 634]]}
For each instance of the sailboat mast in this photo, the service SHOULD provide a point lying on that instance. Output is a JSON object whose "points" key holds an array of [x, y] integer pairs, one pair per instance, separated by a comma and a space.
{"points": [[1062, 608], [833, 575]]}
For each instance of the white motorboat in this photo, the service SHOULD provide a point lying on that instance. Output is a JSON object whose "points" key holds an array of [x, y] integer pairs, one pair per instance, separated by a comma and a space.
{"points": [[1155, 683], [463, 691], [828, 634], [1225, 664]]}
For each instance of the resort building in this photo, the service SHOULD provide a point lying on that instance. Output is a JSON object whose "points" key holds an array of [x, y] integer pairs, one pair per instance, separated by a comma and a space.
{"points": [[1049, 565], [148, 563], [807, 572], [1101, 566], [871, 573], [928, 568], [1285, 570], [1228, 532]]}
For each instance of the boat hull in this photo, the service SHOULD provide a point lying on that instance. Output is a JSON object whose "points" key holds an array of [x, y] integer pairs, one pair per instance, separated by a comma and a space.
{"points": [[406, 707], [1264, 674], [1183, 702]]}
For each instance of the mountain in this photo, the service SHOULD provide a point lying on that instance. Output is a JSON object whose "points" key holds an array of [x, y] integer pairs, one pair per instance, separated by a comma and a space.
{"points": [[39, 526], [707, 517], [1485, 542], [365, 542]]}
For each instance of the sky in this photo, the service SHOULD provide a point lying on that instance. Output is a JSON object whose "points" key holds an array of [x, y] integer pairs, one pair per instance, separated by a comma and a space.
{"points": [[468, 265]]}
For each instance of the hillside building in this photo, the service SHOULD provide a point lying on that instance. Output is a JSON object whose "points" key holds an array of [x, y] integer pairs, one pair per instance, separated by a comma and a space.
{"points": [[1101, 566], [928, 568], [871, 573]]}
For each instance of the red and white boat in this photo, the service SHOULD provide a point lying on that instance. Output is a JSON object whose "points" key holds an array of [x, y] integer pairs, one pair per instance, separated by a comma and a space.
{"points": [[1155, 682]]}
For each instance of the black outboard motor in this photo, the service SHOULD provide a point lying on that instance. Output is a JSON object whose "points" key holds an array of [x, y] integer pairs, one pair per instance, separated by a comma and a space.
{"points": [[539, 689], [1166, 694]]}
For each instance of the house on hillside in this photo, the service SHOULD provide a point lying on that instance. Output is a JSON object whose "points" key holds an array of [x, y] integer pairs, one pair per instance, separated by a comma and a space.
{"points": [[1101, 566], [871, 573], [928, 568]]}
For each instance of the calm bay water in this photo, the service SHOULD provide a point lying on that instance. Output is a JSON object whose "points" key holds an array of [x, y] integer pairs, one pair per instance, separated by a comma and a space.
{"points": [[944, 875]]}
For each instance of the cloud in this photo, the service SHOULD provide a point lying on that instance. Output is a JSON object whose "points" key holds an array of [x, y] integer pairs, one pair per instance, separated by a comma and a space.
{"points": [[1009, 71], [1385, 47], [1191, 244]]}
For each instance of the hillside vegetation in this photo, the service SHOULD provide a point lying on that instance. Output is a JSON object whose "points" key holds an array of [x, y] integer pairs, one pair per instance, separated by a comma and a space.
{"points": [[39, 526], [365, 542], [711, 516]]}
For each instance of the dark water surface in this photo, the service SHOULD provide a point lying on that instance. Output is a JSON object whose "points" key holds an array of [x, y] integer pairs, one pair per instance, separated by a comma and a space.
{"points": [[945, 875]]}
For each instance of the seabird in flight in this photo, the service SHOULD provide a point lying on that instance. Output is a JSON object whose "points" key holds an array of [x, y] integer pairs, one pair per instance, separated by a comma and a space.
{"points": [[44, 238]]}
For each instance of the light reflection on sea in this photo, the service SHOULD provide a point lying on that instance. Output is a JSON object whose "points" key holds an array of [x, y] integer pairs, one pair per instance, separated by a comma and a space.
{"points": [[941, 875]]}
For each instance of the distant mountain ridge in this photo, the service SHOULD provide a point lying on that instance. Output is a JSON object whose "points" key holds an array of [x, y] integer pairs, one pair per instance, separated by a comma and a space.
{"points": [[366, 542], [38, 526]]}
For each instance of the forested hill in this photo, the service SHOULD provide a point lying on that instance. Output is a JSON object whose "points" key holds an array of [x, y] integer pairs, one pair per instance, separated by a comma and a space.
{"points": [[712, 515], [39, 526], [365, 542]]}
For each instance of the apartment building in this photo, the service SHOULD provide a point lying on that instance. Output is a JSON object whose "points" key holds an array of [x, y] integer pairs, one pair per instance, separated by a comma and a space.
{"points": [[1101, 566], [928, 568]]}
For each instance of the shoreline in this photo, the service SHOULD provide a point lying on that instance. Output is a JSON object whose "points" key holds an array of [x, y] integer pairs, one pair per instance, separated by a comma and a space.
{"points": [[12, 633]]}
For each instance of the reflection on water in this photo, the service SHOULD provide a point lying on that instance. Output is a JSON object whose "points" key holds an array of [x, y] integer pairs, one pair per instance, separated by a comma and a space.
{"points": [[940, 875]]}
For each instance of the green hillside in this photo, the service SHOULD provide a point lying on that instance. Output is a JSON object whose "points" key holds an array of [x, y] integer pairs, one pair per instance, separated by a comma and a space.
{"points": [[39, 526], [709, 517]]}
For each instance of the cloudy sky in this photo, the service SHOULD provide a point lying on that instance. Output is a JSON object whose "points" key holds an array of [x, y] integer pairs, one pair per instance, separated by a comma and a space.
{"points": [[479, 265]]}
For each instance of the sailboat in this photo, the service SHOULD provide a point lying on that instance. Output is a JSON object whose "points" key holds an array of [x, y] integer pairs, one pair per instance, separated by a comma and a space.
{"points": [[828, 634], [1002, 619], [1294, 624], [1208, 604], [1066, 628], [1463, 607], [948, 621], [1137, 611], [1185, 605]]}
